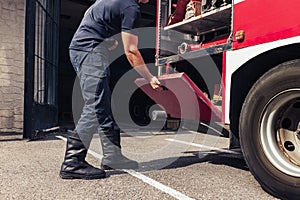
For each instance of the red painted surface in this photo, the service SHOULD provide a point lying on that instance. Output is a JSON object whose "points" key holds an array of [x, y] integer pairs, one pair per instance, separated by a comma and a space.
{"points": [[266, 21], [215, 42], [182, 98]]}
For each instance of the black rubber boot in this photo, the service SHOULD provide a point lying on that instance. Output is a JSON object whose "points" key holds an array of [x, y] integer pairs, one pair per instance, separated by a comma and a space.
{"points": [[74, 165], [112, 155]]}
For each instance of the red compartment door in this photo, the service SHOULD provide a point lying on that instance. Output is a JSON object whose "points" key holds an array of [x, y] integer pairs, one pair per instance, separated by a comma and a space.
{"points": [[181, 98]]}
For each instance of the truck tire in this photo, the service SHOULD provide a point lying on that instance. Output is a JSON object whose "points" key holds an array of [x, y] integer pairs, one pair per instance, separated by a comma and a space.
{"points": [[270, 130]]}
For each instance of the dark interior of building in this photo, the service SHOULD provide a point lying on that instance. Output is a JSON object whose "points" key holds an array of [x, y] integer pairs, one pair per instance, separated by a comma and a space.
{"points": [[71, 14]]}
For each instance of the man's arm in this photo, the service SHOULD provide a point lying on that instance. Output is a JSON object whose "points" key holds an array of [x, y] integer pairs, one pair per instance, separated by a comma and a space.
{"points": [[130, 42]]}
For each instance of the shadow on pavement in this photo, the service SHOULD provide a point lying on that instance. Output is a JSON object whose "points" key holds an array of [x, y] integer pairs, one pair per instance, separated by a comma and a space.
{"points": [[213, 157]]}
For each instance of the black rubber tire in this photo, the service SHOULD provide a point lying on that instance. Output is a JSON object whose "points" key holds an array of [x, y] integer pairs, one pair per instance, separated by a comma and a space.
{"points": [[283, 77]]}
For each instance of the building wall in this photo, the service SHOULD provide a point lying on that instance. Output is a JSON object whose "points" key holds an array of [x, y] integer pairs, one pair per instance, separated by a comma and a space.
{"points": [[12, 28]]}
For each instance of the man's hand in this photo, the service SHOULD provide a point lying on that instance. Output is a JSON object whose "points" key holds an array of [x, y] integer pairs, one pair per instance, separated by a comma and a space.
{"points": [[116, 43], [110, 43], [155, 84]]}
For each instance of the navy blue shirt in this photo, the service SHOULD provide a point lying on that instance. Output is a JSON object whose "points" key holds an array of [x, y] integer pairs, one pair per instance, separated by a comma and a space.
{"points": [[104, 19]]}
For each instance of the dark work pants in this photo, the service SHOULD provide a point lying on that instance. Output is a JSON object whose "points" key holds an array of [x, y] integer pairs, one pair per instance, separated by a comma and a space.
{"points": [[92, 69]]}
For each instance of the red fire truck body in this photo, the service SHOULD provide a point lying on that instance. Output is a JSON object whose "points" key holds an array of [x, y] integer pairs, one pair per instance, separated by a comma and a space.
{"points": [[268, 26], [265, 22], [238, 63]]}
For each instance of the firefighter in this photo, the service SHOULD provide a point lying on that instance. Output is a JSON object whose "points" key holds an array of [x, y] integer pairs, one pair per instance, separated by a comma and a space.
{"points": [[89, 56]]}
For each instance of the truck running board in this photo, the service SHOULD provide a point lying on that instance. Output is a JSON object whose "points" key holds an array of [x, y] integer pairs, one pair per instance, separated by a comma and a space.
{"points": [[181, 98]]}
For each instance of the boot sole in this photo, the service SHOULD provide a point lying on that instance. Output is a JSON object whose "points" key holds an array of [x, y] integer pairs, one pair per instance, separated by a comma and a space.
{"points": [[112, 167], [65, 175]]}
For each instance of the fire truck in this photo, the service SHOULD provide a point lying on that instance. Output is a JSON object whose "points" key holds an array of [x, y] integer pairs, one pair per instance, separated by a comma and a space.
{"points": [[237, 63]]}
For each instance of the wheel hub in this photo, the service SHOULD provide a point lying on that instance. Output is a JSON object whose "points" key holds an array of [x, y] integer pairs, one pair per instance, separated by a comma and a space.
{"points": [[280, 131], [290, 145]]}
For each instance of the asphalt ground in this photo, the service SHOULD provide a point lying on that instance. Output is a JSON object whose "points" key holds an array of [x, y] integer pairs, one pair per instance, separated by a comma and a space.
{"points": [[173, 165]]}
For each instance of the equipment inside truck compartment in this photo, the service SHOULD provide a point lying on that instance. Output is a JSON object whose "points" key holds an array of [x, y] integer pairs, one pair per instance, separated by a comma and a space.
{"points": [[195, 42], [197, 24]]}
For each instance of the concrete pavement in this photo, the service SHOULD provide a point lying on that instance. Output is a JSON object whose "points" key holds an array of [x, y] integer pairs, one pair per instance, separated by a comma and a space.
{"points": [[29, 170]]}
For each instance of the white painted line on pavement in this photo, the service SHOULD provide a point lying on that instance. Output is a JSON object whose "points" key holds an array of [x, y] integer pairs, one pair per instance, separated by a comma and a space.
{"points": [[203, 146], [166, 189], [62, 138], [145, 179]]}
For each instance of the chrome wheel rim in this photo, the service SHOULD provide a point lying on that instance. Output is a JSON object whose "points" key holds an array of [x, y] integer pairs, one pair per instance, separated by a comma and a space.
{"points": [[280, 131]]}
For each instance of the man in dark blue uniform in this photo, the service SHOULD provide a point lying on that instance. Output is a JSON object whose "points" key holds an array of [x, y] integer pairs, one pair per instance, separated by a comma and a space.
{"points": [[89, 56]]}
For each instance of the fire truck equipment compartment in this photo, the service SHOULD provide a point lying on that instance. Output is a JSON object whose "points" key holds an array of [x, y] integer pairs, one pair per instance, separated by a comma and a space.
{"points": [[181, 98]]}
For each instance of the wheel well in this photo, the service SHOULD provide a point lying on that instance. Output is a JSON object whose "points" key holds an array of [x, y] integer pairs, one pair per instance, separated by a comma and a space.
{"points": [[245, 77]]}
